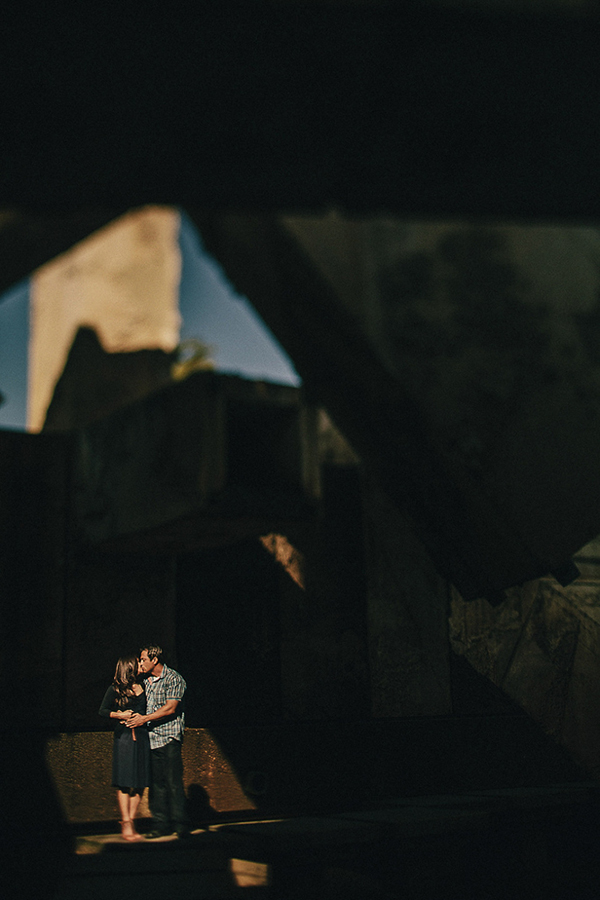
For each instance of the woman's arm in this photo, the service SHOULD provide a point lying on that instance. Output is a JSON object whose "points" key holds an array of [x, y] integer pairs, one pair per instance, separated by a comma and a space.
{"points": [[107, 709]]}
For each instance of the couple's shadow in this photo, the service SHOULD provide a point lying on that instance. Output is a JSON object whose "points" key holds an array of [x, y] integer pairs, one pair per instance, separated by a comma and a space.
{"points": [[199, 809]]}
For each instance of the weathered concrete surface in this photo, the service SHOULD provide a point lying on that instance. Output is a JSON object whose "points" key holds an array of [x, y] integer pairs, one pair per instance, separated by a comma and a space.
{"points": [[121, 281], [492, 332], [541, 646], [212, 447], [81, 766], [28, 240]]}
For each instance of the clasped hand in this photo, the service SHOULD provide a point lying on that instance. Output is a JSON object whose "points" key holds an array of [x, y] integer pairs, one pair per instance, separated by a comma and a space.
{"points": [[134, 721]]}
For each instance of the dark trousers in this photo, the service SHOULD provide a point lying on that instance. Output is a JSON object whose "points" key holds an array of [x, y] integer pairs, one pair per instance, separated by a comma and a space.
{"points": [[167, 795]]}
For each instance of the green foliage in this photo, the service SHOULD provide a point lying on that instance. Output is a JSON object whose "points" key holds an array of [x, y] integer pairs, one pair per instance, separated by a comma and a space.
{"points": [[192, 355]]}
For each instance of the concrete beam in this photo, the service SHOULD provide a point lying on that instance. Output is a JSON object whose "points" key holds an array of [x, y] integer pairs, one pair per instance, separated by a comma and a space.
{"points": [[208, 460], [417, 111]]}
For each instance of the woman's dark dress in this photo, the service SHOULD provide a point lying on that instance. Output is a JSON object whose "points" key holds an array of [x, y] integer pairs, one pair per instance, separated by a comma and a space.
{"points": [[131, 758]]}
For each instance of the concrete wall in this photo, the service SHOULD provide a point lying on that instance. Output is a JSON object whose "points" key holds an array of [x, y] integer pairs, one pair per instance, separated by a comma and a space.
{"points": [[81, 767], [122, 282], [493, 332], [540, 646], [340, 618]]}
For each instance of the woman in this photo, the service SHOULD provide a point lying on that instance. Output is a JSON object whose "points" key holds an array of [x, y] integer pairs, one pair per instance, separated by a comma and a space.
{"points": [[131, 749]]}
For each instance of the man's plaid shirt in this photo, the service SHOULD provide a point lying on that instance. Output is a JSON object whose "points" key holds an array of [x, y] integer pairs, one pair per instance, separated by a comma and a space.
{"points": [[169, 685]]}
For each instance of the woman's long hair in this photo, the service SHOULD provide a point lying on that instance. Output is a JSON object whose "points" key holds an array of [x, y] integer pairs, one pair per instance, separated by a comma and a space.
{"points": [[125, 677]]}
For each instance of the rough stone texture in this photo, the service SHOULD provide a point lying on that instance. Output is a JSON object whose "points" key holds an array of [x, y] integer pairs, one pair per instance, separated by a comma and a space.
{"points": [[80, 765], [541, 647], [121, 281]]}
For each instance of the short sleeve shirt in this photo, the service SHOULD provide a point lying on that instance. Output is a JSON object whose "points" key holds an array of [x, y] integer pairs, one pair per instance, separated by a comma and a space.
{"points": [[169, 685]]}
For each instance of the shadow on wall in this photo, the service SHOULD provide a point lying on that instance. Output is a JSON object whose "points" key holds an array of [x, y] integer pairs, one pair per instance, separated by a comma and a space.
{"points": [[94, 383]]}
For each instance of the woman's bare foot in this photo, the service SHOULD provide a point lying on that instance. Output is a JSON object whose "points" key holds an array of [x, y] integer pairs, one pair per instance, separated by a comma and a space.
{"points": [[128, 832]]}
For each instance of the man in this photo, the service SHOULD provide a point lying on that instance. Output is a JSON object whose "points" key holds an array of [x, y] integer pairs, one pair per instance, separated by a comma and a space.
{"points": [[165, 722]]}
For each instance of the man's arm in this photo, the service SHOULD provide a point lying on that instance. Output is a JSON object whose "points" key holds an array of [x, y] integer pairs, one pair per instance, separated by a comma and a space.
{"points": [[161, 713]]}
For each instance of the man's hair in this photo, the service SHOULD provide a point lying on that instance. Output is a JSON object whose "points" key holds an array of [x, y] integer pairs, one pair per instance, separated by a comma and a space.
{"points": [[153, 650]]}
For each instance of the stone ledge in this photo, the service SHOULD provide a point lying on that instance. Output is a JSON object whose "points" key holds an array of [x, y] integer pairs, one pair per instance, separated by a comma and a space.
{"points": [[81, 766]]}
